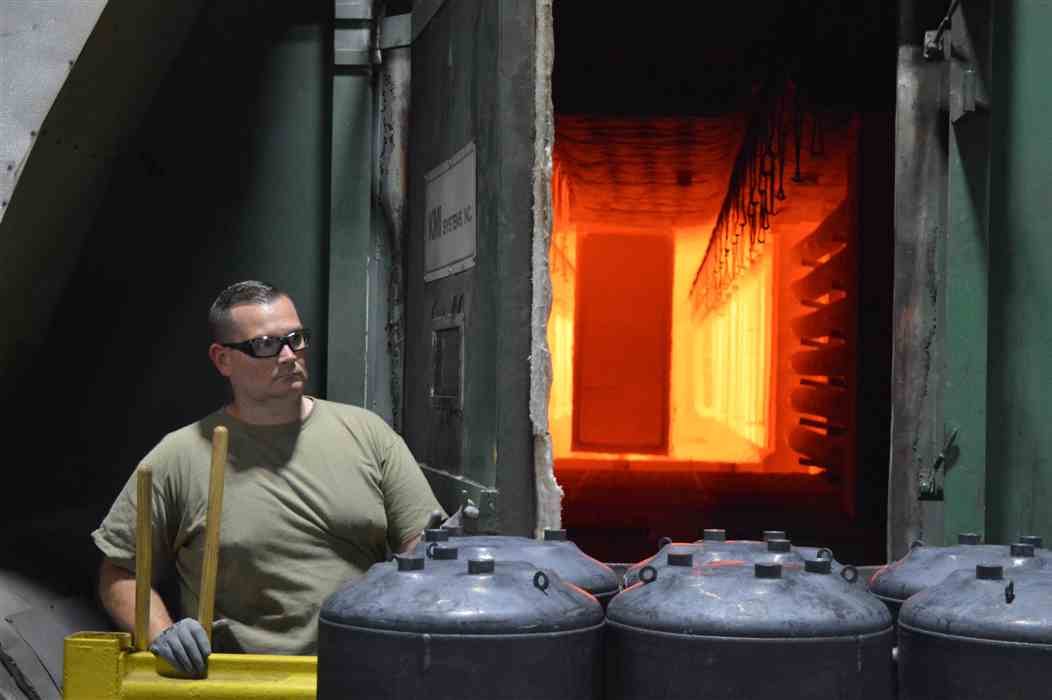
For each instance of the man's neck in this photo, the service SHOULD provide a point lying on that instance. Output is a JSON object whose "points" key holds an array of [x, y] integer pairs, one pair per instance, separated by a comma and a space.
{"points": [[270, 413]]}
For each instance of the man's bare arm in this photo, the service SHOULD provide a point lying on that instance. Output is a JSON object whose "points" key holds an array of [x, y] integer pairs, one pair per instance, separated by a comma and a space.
{"points": [[434, 521], [117, 593], [410, 544]]}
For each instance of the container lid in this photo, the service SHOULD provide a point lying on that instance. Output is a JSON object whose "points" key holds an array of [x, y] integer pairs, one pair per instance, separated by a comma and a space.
{"points": [[477, 596], [988, 602], [555, 552], [436, 535], [1034, 540], [764, 600], [734, 553], [925, 566]]}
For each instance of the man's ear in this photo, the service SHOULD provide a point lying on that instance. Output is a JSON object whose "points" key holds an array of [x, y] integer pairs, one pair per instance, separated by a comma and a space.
{"points": [[220, 357]]}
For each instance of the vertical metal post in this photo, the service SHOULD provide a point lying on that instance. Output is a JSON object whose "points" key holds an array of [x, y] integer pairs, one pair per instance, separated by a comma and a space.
{"points": [[1019, 490], [967, 271], [393, 177], [351, 220], [920, 224]]}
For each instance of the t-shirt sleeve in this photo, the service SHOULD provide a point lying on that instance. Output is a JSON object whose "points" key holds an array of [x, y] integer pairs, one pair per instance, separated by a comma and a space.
{"points": [[408, 499], [115, 537]]}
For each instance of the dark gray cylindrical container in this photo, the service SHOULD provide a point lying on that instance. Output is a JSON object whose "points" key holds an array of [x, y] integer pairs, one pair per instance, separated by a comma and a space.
{"points": [[712, 633], [925, 566], [980, 634], [555, 552], [417, 630]]}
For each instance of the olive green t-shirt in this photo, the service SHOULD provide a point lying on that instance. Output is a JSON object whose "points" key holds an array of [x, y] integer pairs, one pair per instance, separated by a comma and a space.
{"points": [[307, 506]]}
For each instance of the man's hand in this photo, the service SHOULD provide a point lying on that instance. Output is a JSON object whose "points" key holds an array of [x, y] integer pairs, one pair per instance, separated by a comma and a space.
{"points": [[435, 521], [185, 646]]}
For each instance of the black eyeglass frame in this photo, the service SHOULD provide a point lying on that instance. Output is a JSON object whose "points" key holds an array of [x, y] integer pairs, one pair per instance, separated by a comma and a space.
{"points": [[249, 348]]}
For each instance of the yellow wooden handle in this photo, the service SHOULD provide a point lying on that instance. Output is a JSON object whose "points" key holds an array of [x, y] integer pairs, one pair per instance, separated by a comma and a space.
{"points": [[143, 556], [210, 565]]}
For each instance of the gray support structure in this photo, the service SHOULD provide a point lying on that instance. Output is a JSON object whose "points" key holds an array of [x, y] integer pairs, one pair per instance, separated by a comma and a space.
{"points": [[469, 332], [513, 441], [549, 493], [393, 177], [920, 228]]}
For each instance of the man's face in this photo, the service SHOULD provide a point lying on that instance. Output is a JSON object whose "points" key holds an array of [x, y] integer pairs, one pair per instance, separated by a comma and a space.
{"points": [[263, 378]]}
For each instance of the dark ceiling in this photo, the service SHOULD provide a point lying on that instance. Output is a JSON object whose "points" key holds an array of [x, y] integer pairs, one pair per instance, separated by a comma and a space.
{"points": [[708, 58]]}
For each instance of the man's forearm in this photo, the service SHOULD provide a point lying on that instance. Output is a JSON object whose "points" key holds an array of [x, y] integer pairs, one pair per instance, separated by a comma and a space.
{"points": [[410, 544], [117, 593]]}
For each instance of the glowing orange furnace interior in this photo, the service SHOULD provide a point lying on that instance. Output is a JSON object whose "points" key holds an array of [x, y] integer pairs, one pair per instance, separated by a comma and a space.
{"points": [[652, 368]]}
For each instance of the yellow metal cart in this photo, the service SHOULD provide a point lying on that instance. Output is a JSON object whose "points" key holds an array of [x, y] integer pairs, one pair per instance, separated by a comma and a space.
{"points": [[116, 665]]}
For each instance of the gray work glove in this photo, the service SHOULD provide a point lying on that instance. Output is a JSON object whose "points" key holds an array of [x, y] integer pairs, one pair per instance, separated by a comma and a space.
{"points": [[185, 646]]}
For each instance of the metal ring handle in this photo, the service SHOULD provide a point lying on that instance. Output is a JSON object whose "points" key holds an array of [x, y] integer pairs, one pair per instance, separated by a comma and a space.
{"points": [[825, 553], [664, 542], [540, 580], [648, 574], [431, 550], [849, 574]]}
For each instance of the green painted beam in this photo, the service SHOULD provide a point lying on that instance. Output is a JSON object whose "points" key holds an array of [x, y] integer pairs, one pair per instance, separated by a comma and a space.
{"points": [[350, 234], [967, 274], [1019, 480]]}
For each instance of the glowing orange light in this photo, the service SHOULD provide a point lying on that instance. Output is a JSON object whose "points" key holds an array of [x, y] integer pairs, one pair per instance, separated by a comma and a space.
{"points": [[730, 365]]}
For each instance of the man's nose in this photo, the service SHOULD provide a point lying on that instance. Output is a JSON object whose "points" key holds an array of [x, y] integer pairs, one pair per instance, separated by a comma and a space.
{"points": [[286, 354]]}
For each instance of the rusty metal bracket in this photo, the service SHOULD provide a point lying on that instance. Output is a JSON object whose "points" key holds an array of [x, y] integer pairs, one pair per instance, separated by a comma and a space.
{"points": [[934, 48], [929, 489], [478, 501]]}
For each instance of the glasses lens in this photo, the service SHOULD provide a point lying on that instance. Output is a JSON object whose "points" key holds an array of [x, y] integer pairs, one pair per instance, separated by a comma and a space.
{"points": [[266, 346], [298, 339]]}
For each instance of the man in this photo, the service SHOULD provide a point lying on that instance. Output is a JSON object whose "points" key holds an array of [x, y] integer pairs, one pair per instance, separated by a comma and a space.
{"points": [[315, 493]]}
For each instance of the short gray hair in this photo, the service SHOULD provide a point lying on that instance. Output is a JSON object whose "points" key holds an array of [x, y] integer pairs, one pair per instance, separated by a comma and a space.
{"points": [[248, 292]]}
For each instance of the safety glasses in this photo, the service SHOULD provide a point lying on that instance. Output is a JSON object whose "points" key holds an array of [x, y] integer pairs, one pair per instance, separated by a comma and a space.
{"points": [[270, 345]]}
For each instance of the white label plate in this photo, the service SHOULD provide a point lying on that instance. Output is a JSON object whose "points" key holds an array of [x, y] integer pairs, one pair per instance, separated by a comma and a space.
{"points": [[449, 220]]}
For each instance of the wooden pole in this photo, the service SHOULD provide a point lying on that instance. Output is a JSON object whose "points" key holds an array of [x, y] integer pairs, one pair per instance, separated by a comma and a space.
{"points": [[210, 565], [143, 556]]}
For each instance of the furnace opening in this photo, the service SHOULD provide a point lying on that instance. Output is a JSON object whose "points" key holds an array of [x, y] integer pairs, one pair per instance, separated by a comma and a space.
{"points": [[707, 209]]}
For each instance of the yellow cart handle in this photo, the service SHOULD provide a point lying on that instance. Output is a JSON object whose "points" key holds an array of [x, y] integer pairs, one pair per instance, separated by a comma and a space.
{"points": [[143, 556], [210, 565]]}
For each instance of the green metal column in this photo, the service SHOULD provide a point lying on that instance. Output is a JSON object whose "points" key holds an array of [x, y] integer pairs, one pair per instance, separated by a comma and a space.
{"points": [[1019, 479], [350, 224], [967, 274], [349, 235]]}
